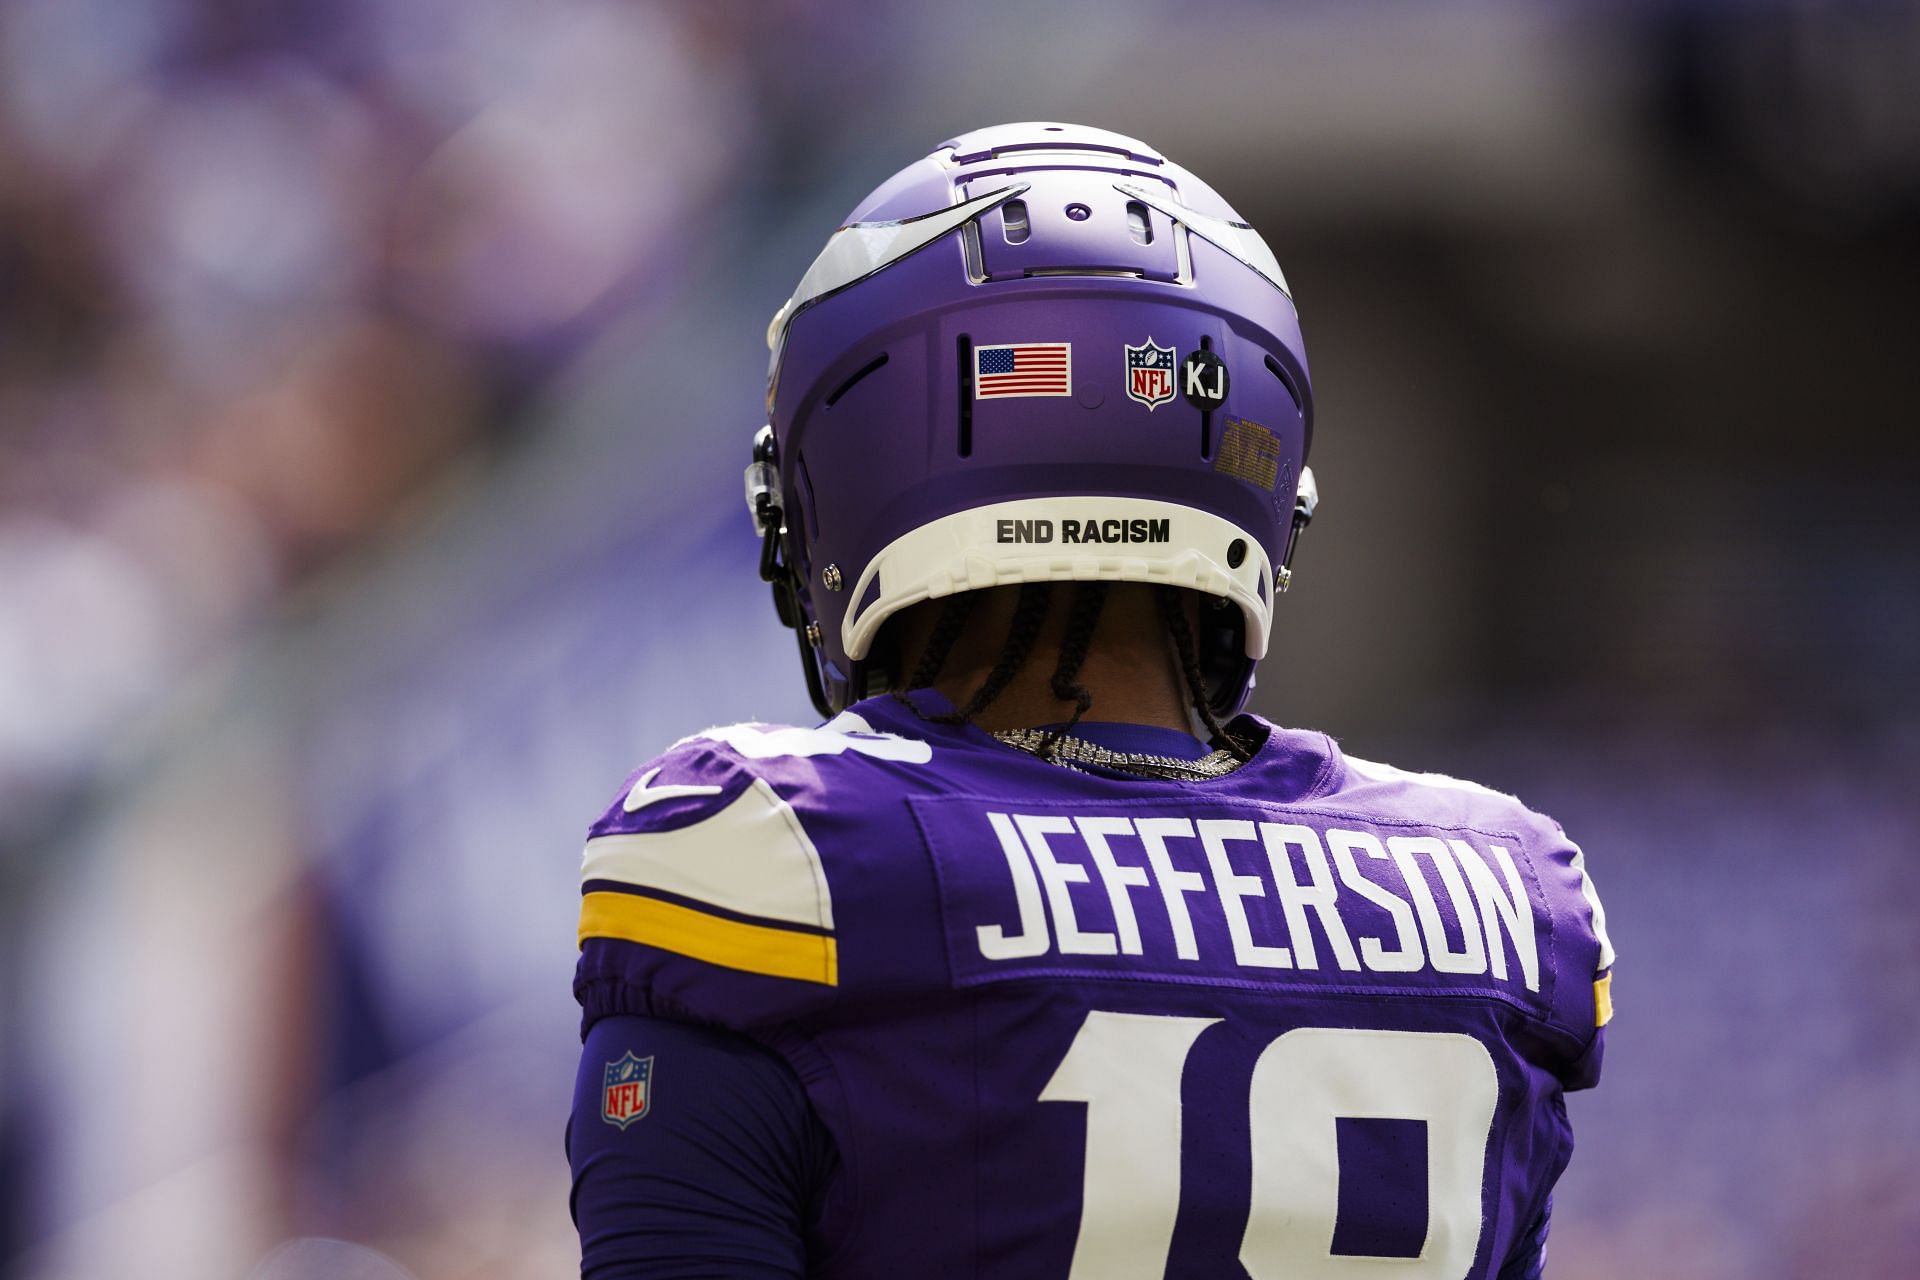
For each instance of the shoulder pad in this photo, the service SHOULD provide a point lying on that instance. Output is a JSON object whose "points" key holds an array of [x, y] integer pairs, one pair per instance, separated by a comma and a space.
{"points": [[1558, 861], [702, 893], [1375, 771], [847, 733]]}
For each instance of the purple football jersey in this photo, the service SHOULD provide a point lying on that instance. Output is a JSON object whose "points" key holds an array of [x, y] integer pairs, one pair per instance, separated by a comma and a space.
{"points": [[1312, 1019]]}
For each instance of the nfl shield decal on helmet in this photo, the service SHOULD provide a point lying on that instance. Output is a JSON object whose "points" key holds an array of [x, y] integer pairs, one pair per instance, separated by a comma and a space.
{"points": [[624, 1097], [1150, 373]]}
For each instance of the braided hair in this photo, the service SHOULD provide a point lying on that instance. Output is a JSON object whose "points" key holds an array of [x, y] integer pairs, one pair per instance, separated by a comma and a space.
{"points": [[1173, 612], [1088, 601], [1083, 619], [946, 633], [1029, 613]]}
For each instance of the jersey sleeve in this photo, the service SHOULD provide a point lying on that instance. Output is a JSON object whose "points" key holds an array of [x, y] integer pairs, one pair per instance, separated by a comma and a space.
{"points": [[1528, 1258], [703, 898], [1583, 953], [694, 1152]]}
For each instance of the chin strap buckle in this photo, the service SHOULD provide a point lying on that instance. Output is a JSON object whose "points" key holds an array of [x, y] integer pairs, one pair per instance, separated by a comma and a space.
{"points": [[763, 484], [1306, 498], [765, 503]]}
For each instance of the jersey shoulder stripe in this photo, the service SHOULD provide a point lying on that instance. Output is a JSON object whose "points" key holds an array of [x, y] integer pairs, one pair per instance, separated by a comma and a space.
{"points": [[714, 939], [750, 856], [706, 857]]}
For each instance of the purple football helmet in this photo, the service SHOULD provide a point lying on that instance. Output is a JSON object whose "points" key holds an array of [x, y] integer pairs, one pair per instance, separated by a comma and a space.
{"points": [[1042, 353]]}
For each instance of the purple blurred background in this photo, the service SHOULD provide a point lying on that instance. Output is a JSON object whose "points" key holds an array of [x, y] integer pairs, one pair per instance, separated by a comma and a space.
{"points": [[375, 377]]}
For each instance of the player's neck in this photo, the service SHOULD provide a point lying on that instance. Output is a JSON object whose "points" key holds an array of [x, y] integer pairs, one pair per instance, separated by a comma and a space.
{"points": [[1130, 668], [1123, 690]]}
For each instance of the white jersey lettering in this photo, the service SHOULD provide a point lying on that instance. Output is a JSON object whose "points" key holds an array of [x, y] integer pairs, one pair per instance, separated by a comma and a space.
{"points": [[1466, 909]]}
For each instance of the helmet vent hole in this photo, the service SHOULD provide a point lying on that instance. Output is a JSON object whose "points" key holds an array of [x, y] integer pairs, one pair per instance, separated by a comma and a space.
{"points": [[1013, 221], [965, 352], [1138, 224], [1206, 415], [1274, 367], [871, 366], [806, 496]]}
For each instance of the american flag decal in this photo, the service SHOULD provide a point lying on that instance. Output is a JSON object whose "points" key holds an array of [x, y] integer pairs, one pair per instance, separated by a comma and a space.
{"points": [[1023, 369]]}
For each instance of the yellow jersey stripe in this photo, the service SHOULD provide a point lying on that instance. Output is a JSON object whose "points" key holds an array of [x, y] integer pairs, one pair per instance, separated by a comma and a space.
{"points": [[1603, 999], [755, 948]]}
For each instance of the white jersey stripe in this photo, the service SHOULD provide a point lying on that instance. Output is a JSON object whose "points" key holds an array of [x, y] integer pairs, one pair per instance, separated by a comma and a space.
{"points": [[1594, 908], [752, 857]]}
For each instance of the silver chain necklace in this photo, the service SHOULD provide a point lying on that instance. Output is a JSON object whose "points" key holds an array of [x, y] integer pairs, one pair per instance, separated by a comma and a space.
{"points": [[1070, 752]]}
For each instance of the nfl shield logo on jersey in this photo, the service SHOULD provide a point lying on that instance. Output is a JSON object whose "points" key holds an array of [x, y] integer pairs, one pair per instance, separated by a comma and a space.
{"points": [[624, 1098], [1150, 373]]}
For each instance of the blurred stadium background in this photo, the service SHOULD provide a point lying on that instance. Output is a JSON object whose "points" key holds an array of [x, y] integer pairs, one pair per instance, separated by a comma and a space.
{"points": [[375, 377]]}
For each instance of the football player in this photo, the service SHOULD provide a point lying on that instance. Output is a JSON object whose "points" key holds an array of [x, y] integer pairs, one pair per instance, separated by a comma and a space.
{"points": [[1036, 959]]}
